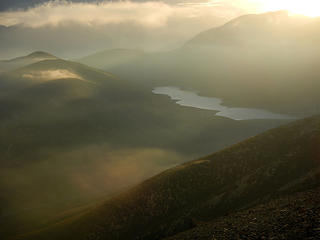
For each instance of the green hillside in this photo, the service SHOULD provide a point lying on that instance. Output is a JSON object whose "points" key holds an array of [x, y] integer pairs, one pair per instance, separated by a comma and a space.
{"points": [[276, 163]]}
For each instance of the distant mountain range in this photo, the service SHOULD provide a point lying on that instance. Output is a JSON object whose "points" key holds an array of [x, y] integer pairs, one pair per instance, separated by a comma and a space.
{"points": [[279, 163]]}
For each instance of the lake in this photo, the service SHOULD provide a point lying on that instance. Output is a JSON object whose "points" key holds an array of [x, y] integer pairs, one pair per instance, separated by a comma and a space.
{"points": [[192, 99]]}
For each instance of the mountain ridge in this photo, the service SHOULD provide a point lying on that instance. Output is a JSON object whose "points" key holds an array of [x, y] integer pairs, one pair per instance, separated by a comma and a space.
{"points": [[279, 25]]}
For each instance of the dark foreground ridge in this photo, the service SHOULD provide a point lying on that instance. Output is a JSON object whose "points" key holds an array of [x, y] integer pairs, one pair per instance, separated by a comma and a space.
{"points": [[278, 163], [295, 216]]}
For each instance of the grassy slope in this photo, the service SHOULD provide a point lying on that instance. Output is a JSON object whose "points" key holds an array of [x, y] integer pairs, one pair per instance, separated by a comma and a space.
{"points": [[277, 162]]}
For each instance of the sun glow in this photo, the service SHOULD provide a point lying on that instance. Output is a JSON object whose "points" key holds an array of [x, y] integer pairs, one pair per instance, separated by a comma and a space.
{"points": [[310, 8]]}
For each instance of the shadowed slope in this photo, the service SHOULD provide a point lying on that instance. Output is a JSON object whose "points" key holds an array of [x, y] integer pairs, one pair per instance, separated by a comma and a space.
{"points": [[296, 216], [278, 162]]}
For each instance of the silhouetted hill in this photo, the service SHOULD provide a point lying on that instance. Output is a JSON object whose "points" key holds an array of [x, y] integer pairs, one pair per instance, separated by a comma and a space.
{"points": [[278, 162]]}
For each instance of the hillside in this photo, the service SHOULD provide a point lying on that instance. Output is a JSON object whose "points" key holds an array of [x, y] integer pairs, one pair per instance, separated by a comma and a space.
{"points": [[269, 28], [278, 162], [110, 58], [7, 65], [71, 135], [296, 216], [264, 61]]}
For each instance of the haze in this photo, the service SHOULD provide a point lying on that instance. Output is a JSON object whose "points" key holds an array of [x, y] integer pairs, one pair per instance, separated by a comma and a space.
{"points": [[93, 138]]}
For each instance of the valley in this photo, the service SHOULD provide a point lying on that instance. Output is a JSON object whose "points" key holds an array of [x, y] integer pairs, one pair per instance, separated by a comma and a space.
{"points": [[76, 131], [158, 121]]}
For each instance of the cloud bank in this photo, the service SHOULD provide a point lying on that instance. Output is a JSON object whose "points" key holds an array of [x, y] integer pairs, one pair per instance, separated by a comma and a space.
{"points": [[148, 14], [75, 29], [58, 12]]}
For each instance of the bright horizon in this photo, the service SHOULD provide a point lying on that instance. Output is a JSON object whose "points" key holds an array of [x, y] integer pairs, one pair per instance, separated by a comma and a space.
{"points": [[152, 14], [150, 25], [309, 8]]}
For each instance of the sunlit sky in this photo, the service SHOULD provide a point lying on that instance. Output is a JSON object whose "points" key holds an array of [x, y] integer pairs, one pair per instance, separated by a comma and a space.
{"points": [[145, 12], [155, 25], [309, 8]]}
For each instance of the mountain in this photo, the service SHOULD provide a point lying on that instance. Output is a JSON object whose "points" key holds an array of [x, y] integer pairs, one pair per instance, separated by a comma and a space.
{"points": [[47, 70], [72, 135], [264, 61], [111, 58], [6, 65], [270, 28], [278, 163]]}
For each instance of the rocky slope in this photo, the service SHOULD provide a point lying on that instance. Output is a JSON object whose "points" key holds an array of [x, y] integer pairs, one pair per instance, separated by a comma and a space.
{"points": [[295, 216]]}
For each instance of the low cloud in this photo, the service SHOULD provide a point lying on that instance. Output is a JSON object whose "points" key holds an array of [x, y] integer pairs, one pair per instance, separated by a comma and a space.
{"points": [[75, 29], [148, 14], [50, 75], [64, 180], [151, 14]]}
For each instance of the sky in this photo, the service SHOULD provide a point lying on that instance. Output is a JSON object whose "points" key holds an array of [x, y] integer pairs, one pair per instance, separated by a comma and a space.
{"points": [[23, 4], [152, 13], [147, 13], [66, 26]]}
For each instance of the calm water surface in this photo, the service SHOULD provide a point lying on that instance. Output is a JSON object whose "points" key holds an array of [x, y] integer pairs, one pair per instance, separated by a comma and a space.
{"points": [[192, 99]]}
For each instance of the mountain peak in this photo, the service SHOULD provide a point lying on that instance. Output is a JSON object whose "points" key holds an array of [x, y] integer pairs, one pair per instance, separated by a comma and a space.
{"points": [[270, 27], [40, 54], [278, 18]]}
